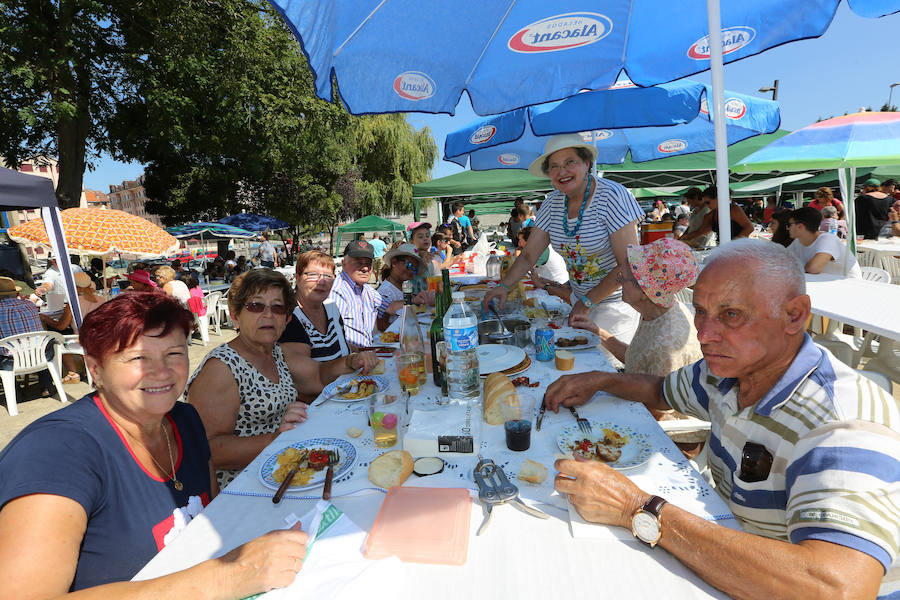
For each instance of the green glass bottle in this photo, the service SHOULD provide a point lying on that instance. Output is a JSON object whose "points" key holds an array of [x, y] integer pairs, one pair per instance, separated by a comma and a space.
{"points": [[435, 335], [446, 290]]}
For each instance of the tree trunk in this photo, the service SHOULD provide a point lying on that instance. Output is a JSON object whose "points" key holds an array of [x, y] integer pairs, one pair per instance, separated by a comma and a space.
{"points": [[71, 140]]}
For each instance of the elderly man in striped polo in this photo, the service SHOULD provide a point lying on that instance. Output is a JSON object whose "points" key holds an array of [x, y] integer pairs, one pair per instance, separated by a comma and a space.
{"points": [[805, 450]]}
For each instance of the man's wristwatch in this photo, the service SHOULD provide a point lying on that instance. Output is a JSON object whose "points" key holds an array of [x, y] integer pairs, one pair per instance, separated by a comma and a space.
{"points": [[587, 302], [645, 524]]}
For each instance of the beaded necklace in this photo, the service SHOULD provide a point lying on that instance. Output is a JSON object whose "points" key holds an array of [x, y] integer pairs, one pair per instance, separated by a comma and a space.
{"points": [[587, 192]]}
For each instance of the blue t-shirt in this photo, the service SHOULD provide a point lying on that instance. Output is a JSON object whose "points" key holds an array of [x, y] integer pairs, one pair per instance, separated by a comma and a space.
{"points": [[465, 222], [77, 452], [378, 246]]}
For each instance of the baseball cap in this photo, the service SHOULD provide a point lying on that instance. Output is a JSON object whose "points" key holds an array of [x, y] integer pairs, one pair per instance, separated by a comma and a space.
{"points": [[359, 249], [872, 182]]}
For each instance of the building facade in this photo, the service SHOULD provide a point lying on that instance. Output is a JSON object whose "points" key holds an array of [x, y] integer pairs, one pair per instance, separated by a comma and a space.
{"points": [[130, 197]]}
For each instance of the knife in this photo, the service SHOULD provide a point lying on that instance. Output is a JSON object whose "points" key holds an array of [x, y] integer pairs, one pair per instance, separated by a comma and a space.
{"points": [[540, 418], [290, 477]]}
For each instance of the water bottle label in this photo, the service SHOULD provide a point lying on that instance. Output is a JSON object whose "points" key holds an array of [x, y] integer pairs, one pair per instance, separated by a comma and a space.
{"points": [[463, 338]]}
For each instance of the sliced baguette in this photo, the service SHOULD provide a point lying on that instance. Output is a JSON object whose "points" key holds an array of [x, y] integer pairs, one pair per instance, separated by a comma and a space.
{"points": [[501, 402], [533, 472], [391, 469]]}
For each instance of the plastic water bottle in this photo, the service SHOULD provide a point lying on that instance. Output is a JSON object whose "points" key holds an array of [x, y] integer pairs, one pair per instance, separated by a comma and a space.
{"points": [[492, 268], [461, 337]]}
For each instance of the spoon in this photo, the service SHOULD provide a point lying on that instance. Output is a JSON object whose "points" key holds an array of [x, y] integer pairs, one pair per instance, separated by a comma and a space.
{"points": [[506, 333]]}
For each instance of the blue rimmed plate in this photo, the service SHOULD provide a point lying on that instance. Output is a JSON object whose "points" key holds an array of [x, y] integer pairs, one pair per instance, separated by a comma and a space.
{"points": [[348, 458], [381, 385], [635, 452]]}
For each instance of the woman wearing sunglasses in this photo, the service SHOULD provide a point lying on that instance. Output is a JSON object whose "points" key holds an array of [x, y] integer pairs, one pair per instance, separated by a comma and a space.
{"points": [[403, 263], [243, 389]]}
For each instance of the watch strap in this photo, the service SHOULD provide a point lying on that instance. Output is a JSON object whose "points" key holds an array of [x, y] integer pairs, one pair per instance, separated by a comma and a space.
{"points": [[587, 302], [654, 505]]}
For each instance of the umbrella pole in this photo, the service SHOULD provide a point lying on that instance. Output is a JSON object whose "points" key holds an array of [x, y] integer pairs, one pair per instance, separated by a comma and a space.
{"points": [[717, 112], [847, 184]]}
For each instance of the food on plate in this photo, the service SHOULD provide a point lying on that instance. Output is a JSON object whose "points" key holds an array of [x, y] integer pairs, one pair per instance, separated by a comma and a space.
{"points": [[501, 402], [287, 460], [520, 381], [570, 342], [533, 472], [536, 313], [428, 465], [419, 308], [379, 367], [318, 459], [354, 432], [360, 389], [609, 449], [389, 337], [565, 360], [391, 468]]}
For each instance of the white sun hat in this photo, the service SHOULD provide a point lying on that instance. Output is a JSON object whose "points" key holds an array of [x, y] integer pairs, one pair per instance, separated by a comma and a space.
{"points": [[556, 143]]}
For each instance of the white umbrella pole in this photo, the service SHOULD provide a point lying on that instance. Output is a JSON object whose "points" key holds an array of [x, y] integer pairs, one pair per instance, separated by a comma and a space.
{"points": [[847, 184], [717, 111]]}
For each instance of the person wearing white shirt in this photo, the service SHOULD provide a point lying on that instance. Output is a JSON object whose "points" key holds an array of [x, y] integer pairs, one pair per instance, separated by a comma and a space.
{"points": [[818, 251]]}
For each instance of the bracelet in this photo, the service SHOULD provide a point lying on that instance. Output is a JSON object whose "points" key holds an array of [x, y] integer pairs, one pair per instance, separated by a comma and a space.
{"points": [[587, 302]]}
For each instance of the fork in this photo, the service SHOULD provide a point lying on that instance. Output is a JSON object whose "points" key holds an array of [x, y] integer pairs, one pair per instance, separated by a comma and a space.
{"points": [[333, 458], [583, 424]]}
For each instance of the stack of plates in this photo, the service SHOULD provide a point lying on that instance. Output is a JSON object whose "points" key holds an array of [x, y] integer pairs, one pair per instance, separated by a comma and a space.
{"points": [[493, 358]]}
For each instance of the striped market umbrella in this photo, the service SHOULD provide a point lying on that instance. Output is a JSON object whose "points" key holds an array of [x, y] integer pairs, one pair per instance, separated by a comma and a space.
{"points": [[103, 232], [210, 231], [866, 139]]}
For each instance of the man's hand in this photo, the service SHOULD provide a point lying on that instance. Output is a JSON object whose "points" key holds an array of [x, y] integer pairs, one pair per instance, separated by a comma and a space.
{"points": [[598, 492], [572, 390], [425, 297]]}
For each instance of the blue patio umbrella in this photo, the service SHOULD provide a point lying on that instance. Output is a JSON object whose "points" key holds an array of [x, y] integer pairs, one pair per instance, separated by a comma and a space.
{"points": [[253, 222], [678, 112], [421, 55], [209, 231]]}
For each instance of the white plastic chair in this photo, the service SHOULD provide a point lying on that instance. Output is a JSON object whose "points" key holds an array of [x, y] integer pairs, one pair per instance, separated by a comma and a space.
{"points": [[875, 274], [212, 309], [29, 355], [71, 346], [203, 325], [224, 317]]}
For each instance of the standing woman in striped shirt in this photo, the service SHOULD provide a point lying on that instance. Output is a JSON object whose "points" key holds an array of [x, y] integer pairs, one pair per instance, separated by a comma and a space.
{"points": [[589, 221]]}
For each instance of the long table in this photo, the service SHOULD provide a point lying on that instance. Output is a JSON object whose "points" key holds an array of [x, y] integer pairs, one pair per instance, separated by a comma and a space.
{"points": [[866, 304], [518, 556]]}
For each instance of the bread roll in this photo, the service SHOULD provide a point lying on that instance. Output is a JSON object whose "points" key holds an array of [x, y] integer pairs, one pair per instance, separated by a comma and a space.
{"points": [[391, 468], [501, 402], [378, 369], [533, 472], [565, 360]]}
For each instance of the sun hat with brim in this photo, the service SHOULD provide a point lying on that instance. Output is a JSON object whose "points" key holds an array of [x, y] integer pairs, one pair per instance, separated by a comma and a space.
{"points": [[83, 280], [8, 287], [663, 269], [557, 143], [872, 182], [141, 276], [405, 250]]}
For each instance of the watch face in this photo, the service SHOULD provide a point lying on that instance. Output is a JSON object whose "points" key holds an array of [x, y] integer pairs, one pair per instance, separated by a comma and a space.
{"points": [[645, 526]]}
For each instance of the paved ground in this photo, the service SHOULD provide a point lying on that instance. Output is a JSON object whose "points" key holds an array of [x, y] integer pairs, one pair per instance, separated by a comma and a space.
{"points": [[33, 407]]}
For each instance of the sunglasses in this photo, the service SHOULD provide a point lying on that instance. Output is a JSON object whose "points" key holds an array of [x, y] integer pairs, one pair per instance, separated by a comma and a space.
{"points": [[412, 266], [259, 307]]}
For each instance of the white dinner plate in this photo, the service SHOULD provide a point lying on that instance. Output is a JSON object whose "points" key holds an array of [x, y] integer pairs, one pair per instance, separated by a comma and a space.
{"points": [[346, 450], [635, 452], [498, 357], [570, 333], [381, 385]]}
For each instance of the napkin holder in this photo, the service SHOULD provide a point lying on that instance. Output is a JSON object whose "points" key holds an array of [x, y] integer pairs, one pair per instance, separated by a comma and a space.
{"points": [[449, 430]]}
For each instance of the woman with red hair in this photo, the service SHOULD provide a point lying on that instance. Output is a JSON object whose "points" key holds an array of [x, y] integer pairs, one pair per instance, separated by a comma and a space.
{"points": [[91, 492]]}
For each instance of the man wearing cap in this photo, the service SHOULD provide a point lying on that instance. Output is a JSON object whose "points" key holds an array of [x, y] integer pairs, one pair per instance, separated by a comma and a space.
{"points": [[802, 448], [872, 207], [18, 315], [356, 301]]}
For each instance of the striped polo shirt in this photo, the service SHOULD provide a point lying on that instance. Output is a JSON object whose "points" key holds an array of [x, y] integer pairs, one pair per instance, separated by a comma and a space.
{"points": [[588, 254], [358, 304], [835, 440]]}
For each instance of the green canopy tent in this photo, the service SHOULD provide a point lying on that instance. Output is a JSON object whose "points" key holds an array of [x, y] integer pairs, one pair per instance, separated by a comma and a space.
{"points": [[365, 225]]}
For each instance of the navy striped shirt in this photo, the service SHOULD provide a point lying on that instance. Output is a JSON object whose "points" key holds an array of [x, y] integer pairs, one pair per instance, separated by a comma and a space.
{"points": [[588, 254]]}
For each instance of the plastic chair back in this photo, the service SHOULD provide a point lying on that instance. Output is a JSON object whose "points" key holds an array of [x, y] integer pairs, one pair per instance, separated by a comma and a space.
{"points": [[875, 274]]}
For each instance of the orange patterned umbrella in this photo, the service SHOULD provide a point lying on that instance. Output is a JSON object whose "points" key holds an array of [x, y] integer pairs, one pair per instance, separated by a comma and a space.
{"points": [[102, 231]]}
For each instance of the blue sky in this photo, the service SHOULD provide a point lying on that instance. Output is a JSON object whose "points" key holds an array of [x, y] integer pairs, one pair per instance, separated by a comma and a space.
{"points": [[851, 66]]}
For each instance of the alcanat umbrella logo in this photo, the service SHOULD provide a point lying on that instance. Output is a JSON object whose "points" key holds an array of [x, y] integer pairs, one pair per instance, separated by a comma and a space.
{"points": [[733, 38], [597, 135], [508, 159], [561, 32], [670, 146], [414, 85], [483, 134]]}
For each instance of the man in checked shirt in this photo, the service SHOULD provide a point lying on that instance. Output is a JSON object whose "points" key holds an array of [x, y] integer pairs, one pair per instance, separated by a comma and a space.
{"points": [[18, 315]]}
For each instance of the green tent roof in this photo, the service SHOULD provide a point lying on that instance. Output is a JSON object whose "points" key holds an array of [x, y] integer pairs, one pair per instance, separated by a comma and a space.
{"points": [[494, 183], [366, 224]]}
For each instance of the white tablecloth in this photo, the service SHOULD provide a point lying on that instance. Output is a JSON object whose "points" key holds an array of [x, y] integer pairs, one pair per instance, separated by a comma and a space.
{"points": [[500, 562]]}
